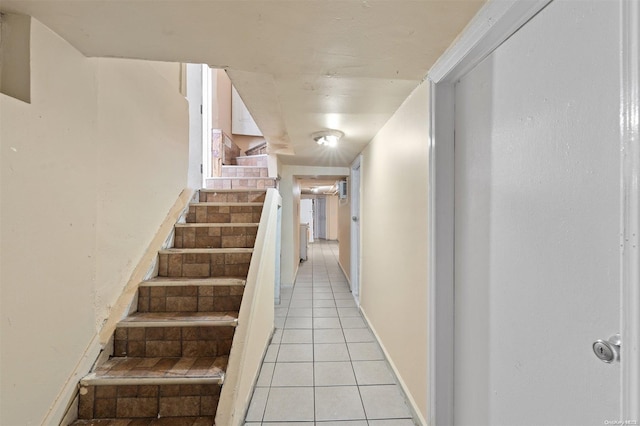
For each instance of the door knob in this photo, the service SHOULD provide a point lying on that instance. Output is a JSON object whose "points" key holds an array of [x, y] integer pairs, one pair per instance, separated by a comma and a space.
{"points": [[354, 218], [608, 350]]}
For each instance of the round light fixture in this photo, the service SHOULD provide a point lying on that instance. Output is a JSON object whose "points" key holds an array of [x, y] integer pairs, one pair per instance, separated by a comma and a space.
{"points": [[327, 137]]}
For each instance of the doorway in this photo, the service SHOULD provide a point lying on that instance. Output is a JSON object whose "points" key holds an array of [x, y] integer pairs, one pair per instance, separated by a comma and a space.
{"points": [[354, 198]]}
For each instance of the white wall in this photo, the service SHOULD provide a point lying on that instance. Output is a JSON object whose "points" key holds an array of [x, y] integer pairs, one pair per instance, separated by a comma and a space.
{"points": [[89, 170], [393, 285]]}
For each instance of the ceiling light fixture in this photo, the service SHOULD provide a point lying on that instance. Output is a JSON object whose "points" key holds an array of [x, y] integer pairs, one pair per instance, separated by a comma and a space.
{"points": [[327, 137]]}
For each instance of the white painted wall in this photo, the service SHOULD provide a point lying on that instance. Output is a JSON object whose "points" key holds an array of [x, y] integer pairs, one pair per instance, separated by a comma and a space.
{"points": [[393, 285], [89, 170]]}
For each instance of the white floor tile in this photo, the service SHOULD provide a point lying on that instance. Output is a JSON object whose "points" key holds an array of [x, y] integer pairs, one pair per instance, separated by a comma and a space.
{"points": [[293, 374], [297, 336], [352, 322], [358, 335], [334, 374], [365, 351], [394, 422], [384, 402], [266, 373], [290, 404], [329, 335], [319, 323], [330, 352], [295, 353], [373, 373], [338, 403], [258, 404], [298, 322]]}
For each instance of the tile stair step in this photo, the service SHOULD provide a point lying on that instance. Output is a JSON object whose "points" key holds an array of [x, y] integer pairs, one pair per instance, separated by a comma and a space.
{"points": [[218, 204], [180, 319], [163, 421], [213, 225], [240, 182], [206, 250], [184, 281], [158, 371]]}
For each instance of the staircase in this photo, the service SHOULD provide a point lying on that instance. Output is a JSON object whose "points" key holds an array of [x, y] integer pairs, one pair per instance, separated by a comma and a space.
{"points": [[250, 171], [170, 355]]}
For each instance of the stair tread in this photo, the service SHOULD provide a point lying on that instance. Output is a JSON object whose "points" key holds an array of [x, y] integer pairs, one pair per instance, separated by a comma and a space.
{"points": [[163, 421], [213, 191], [239, 177], [226, 204], [131, 370], [186, 281], [168, 319], [206, 250], [213, 224], [253, 156], [246, 167]]}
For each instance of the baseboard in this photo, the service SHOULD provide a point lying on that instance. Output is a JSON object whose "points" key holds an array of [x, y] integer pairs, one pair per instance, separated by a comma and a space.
{"points": [[417, 417], [344, 273]]}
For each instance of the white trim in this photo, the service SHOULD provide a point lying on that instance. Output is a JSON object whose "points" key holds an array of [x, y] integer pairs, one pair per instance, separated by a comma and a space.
{"points": [[630, 223], [356, 238], [491, 27], [441, 250]]}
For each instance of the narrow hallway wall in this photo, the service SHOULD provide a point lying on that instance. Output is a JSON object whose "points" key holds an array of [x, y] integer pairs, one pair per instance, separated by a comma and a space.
{"points": [[89, 170], [393, 288]]}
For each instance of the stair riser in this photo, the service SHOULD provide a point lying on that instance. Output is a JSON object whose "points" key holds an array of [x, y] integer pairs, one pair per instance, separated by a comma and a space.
{"points": [[149, 401], [224, 214], [215, 237], [165, 342], [190, 299], [240, 171], [232, 197], [204, 265], [240, 183], [252, 161]]}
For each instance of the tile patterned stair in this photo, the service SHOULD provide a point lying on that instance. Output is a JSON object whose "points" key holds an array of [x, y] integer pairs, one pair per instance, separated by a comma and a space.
{"points": [[170, 355], [253, 160], [244, 171]]}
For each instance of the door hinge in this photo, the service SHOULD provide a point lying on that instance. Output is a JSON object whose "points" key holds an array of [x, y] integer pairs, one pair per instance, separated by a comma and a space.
{"points": [[200, 168], [200, 109]]}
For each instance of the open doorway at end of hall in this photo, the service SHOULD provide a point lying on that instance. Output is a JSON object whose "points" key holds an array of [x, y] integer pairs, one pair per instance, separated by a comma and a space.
{"points": [[320, 215]]}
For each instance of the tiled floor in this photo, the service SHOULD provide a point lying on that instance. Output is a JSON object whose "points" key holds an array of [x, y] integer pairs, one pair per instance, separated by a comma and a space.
{"points": [[324, 366]]}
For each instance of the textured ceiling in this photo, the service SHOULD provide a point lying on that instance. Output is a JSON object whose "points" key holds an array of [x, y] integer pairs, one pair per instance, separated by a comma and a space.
{"points": [[300, 65]]}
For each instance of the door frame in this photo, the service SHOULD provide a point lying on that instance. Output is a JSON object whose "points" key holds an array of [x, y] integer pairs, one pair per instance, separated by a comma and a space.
{"points": [[492, 26], [355, 209]]}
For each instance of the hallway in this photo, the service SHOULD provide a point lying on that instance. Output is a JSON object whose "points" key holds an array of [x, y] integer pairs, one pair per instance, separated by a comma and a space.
{"points": [[324, 365]]}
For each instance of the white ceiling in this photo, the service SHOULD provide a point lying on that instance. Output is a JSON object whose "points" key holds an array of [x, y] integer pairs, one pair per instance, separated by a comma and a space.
{"points": [[300, 65]]}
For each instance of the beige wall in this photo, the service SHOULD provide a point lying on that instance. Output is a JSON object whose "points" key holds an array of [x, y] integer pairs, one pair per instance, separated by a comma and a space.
{"points": [[221, 97], [89, 170], [393, 292], [344, 233], [332, 217]]}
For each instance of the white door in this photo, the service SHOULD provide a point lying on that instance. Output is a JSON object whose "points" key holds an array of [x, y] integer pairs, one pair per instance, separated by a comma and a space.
{"points": [[537, 223], [320, 217]]}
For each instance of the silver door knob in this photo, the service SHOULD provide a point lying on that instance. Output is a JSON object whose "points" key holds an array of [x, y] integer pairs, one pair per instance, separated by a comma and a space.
{"points": [[608, 350], [354, 218]]}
